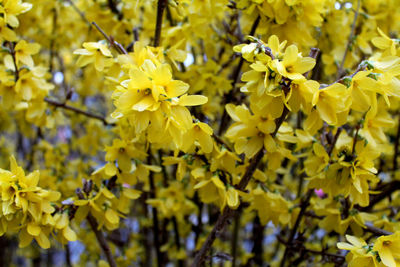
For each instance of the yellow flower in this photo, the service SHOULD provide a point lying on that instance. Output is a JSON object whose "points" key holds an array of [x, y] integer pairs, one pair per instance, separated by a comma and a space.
{"points": [[23, 52], [96, 53], [360, 253], [201, 133], [32, 84], [385, 43], [12, 8], [250, 133], [332, 103], [6, 33], [213, 190], [123, 153], [270, 207], [294, 65], [388, 248]]}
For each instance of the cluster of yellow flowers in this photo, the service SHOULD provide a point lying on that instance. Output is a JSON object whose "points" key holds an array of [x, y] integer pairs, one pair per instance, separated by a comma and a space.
{"points": [[385, 250], [23, 84], [29, 210]]}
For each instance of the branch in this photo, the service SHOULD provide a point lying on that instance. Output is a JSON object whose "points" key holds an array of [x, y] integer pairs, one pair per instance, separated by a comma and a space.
{"points": [[360, 67], [221, 142], [79, 12], [12, 52], [161, 5], [177, 239], [338, 131], [111, 40], [77, 110], [350, 40], [386, 191], [95, 228], [228, 212], [377, 231], [323, 252], [102, 241], [396, 147], [303, 206], [156, 232]]}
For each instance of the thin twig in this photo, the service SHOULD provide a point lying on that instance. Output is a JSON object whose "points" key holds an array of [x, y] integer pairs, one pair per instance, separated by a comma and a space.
{"points": [[156, 231], [221, 142], [68, 255], [177, 239], [355, 139], [77, 110], [95, 228], [386, 190], [79, 12], [338, 131], [311, 251], [12, 51], [111, 40], [396, 147], [375, 230], [303, 206], [234, 243], [350, 40], [102, 241]]}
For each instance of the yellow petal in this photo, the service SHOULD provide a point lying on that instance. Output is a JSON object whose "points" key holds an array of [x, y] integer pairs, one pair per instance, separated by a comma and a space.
{"points": [[33, 229], [43, 240], [69, 234], [112, 216], [192, 100]]}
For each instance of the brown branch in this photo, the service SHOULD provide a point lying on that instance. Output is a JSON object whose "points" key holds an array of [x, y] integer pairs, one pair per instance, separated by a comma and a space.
{"points": [[77, 110], [221, 142], [181, 263], [68, 255], [161, 5], [234, 242], [396, 147], [102, 241], [156, 231], [386, 191], [111, 40], [303, 206], [12, 52], [338, 131], [314, 52], [360, 67], [95, 228], [227, 212], [81, 14], [375, 230], [323, 252], [350, 40], [353, 149]]}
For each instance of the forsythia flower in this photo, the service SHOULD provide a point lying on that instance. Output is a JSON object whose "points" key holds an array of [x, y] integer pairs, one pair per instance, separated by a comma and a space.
{"points": [[388, 248], [29, 209], [96, 53], [360, 253]]}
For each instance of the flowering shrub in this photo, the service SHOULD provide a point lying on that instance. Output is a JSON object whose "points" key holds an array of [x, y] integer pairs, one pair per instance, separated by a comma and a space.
{"points": [[186, 132]]}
